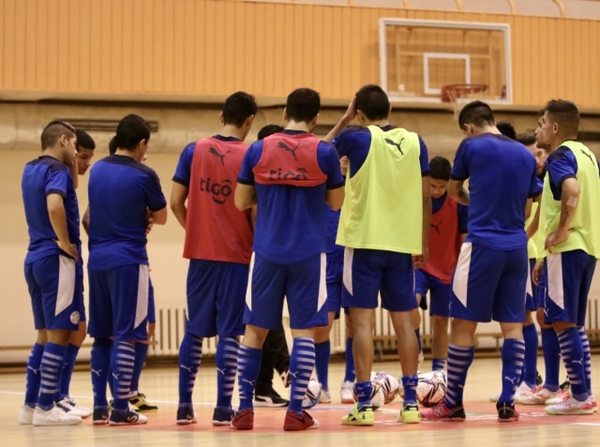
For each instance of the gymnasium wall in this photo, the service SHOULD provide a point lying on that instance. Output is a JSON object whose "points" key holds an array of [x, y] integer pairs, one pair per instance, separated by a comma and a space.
{"points": [[193, 49]]}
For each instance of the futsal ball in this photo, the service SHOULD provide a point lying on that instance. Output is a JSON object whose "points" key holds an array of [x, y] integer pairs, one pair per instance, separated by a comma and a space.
{"points": [[377, 396], [388, 384], [431, 388], [313, 393]]}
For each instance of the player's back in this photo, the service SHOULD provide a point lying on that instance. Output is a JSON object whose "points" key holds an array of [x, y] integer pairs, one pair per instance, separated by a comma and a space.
{"points": [[501, 176], [121, 190]]}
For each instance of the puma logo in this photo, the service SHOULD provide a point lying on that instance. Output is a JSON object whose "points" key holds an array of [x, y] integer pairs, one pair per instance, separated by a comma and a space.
{"points": [[397, 145], [588, 156], [285, 147], [96, 371], [437, 226], [220, 155], [187, 368]]}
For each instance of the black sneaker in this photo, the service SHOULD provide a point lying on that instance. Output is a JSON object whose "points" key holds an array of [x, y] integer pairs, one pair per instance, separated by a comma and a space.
{"points": [[538, 378], [507, 412], [100, 416], [185, 416], [139, 403], [566, 385], [126, 417], [271, 399], [222, 416]]}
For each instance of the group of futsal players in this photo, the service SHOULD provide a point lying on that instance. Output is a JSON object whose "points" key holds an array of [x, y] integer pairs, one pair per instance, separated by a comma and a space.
{"points": [[261, 224]]}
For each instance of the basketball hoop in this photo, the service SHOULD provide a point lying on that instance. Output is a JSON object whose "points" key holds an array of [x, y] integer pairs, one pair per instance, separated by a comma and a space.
{"points": [[454, 92]]}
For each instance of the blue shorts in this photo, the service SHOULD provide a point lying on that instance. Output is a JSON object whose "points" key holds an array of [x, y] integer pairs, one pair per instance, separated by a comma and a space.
{"points": [[56, 292], [489, 284], [302, 283], [333, 303], [119, 302], [569, 278], [151, 308], [536, 294], [215, 298], [369, 272], [440, 292]]}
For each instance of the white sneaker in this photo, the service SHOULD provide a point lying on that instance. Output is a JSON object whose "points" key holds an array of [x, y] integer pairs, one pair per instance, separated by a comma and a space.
{"points": [[538, 396], [68, 406], [523, 393], [54, 416], [560, 396], [325, 397], [571, 406], [347, 392], [25, 415]]}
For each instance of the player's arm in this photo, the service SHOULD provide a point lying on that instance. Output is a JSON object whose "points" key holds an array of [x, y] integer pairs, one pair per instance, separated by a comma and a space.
{"points": [[348, 116], [335, 198], [568, 205], [245, 196], [85, 220], [58, 220], [535, 224], [178, 200], [528, 203], [456, 190], [158, 217]]}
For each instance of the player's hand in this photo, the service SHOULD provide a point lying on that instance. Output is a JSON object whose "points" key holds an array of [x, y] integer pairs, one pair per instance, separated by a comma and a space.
{"points": [[69, 249], [536, 274], [556, 238], [350, 112]]}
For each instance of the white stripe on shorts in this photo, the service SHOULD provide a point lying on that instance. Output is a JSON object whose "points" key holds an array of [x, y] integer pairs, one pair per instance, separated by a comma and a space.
{"points": [[66, 283], [528, 287], [556, 290], [322, 282], [249, 286], [141, 307], [347, 276], [461, 274]]}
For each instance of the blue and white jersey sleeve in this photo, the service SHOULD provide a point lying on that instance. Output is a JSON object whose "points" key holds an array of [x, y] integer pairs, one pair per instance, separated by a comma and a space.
{"points": [[424, 158], [183, 172], [251, 159], [330, 165], [154, 195], [562, 165], [57, 181], [460, 168]]}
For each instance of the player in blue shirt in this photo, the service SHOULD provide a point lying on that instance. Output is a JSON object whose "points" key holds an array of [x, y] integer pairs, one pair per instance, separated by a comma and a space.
{"points": [[289, 175], [53, 255], [122, 194], [491, 273]]}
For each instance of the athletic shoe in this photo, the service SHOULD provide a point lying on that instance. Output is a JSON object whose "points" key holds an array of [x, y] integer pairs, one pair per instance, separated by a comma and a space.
{"points": [[222, 416], [186, 416], [409, 414], [347, 392], [538, 396], [286, 378], [562, 395], [593, 403], [67, 405], [243, 420], [571, 406], [565, 385], [53, 416], [126, 417], [100, 416], [25, 415], [139, 403], [325, 397], [441, 412], [538, 378], [362, 416], [272, 399], [297, 422], [524, 393], [507, 412]]}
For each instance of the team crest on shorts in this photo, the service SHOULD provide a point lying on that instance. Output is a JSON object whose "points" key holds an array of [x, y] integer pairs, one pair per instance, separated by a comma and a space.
{"points": [[75, 317]]}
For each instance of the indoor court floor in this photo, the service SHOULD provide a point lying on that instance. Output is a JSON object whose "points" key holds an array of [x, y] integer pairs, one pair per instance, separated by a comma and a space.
{"points": [[160, 386]]}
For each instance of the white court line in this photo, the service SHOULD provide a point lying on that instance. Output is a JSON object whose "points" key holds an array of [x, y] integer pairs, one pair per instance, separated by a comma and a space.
{"points": [[590, 424]]}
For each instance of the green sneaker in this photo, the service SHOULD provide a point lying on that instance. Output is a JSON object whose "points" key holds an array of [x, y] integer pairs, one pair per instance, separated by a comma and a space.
{"points": [[409, 414], [139, 402], [364, 416]]}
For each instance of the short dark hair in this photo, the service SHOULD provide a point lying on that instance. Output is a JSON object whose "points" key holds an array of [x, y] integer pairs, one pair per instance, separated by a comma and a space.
{"points": [[373, 102], [507, 129], [440, 168], [477, 113], [267, 130], [112, 146], [566, 114], [84, 140], [303, 104], [238, 107], [54, 130], [131, 130], [526, 138]]}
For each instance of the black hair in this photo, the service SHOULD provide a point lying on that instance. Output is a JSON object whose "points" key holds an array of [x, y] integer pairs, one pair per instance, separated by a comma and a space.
{"points": [[112, 146], [303, 104], [84, 140], [238, 107], [477, 113], [566, 114], [267, 130], [507, 129], [53, 131], [527, 138], [131, 130], [373, 102], [440, 168]]}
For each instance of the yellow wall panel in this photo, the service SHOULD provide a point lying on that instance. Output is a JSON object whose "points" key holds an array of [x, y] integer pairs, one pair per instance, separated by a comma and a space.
{"points": [[212, 47]]}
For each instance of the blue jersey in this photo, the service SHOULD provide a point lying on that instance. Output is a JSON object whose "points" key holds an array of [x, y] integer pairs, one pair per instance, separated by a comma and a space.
{"points": [[42, 177], [502, 175], [121, 190], [291, 221], [356, 142], [561, 165]]}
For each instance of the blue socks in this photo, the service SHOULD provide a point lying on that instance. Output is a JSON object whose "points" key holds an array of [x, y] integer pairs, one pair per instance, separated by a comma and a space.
{"points": [[531, 348], [409, 383], [67, 370], [122, 361], [363, 391], [302, 363], [587, 359], [52, 361], [459, 361], [571, 351], [322, 353], [438, 364], [141, 352], [551, 349], [350, 373], [190, 357], [100, 367], [32, 380], [248, 369], [226, 362], [513, 353]]}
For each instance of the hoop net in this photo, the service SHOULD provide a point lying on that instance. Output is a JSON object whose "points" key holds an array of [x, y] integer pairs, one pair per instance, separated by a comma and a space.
{"points": [[459, 94]]}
